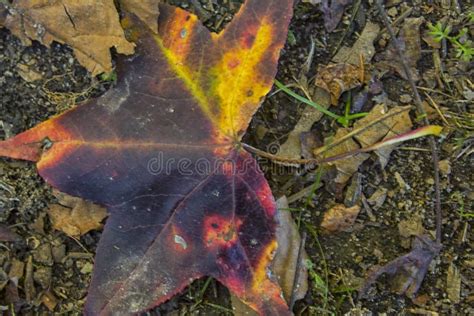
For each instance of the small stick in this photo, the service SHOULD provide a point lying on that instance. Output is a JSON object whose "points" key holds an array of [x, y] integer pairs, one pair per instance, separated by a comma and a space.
{"points": [[297, 271], [419, 106]]}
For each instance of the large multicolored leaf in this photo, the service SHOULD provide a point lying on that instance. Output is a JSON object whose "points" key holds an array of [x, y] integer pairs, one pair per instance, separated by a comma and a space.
{"points": [[161, 151]]}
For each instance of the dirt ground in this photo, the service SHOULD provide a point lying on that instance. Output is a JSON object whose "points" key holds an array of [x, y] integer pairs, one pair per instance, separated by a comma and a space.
{"points": [[54, 270]]}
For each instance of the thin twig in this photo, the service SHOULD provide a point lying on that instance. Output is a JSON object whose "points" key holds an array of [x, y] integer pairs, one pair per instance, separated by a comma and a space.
{"points": [[419, 106], [298, 267]]}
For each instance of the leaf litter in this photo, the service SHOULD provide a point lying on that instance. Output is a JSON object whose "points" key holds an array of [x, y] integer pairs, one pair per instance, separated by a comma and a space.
{"points": [[91, 28], [408, 181], [221, 220]]}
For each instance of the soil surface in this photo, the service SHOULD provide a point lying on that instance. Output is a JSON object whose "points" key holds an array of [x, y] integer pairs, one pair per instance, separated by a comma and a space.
{"points": [[54, 270]]}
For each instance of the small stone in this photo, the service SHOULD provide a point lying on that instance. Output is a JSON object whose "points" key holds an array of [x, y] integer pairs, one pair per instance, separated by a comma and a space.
{"points": [[59, 252], [43, 255], [430, 181], [378, 254], [445, 167], [406, 98], [42, 276], [453, 284], [87, 268], [392, 12], [403, 185], [378, 198], [411, 227]]}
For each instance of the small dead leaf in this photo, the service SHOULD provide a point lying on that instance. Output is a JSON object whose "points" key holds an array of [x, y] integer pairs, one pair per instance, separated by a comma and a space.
{"points": [[146, 10], [411, 268], [17, 269], [75, 216], [292, 147], [285, 262], [395, 125], [90, 27], [49, 300], [333, 12], [345, 167], [364, 46], [338, 78], [340, 218], [411, 227], [410, 41], [378, 198], [453, 284]]}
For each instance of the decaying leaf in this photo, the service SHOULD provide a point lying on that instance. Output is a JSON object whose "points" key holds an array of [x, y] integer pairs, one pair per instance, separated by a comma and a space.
{"points": [[338, 78], [392, 126], [90, 27], [285, 262], [345, 167], [339, 218], [333, 12], [410, 268], [75, 216], [364, 46], [291, 148], [409, 40], [161, 150], [384, 131]]}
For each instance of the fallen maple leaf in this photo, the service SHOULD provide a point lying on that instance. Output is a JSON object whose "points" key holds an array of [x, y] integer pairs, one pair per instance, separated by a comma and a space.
{"points": [[162, 152]]}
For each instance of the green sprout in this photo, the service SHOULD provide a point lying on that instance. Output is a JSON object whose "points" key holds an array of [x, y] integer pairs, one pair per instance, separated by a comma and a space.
{"points": [[343, 120], [464, 50]]}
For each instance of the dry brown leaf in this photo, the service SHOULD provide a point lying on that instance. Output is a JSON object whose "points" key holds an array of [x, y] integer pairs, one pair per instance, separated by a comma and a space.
{"points": [[364, 46], [146, 10], [345, 167], [285, 261], [75, 216], [410, 41], [292, 146], [338, 78], [393, 126], [339, 218], [90, 27]]}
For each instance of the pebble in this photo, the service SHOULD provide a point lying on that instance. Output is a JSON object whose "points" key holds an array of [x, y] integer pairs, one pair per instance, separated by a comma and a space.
{"points": [[445, 167], [43, 255], [42, 276], [59, 252], [406, 98]]}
